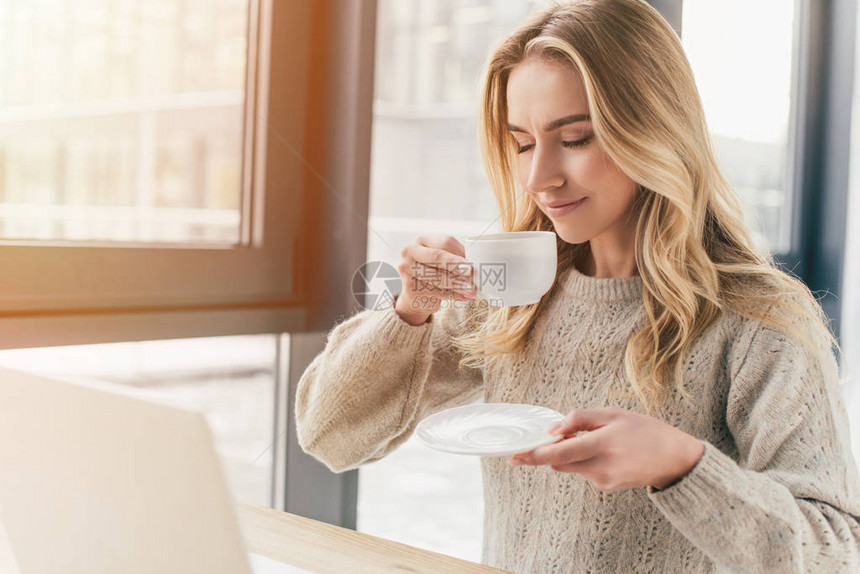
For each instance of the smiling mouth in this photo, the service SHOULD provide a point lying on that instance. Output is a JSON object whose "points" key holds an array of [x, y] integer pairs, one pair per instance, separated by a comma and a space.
{"points": [[564, 208], [564, 204]]}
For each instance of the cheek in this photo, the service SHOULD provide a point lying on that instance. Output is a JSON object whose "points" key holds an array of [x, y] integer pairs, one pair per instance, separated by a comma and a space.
{"points": [[594, 170], [598, 173], [623, 188]]}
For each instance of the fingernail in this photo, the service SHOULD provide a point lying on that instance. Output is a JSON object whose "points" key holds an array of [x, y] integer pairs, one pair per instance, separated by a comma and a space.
{"points": [[516, 462]]}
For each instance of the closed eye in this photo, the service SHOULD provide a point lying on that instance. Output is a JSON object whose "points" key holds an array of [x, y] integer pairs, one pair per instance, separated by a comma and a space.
{"points": [[578, 143], [568, 144]]}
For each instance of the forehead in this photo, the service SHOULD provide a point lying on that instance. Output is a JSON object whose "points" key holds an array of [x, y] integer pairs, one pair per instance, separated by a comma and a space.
{"points": [[540, 91]]}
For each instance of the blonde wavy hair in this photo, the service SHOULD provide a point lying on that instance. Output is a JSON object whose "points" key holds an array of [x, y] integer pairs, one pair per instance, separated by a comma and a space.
{"points": [[693, 252]]}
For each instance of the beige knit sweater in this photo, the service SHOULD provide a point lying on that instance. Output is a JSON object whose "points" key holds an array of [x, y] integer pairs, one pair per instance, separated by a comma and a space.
{"points": [[776, 490]]}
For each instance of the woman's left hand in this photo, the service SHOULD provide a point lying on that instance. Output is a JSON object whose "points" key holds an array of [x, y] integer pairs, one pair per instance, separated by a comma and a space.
{"points": [[622, 450]]}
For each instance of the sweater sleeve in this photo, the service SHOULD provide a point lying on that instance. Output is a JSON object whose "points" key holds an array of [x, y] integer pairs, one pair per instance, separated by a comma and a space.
{"points": [[791, 503], [376, 379]]}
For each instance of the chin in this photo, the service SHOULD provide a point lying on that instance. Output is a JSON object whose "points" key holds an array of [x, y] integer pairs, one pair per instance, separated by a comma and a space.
{"points": [[570, 236]]}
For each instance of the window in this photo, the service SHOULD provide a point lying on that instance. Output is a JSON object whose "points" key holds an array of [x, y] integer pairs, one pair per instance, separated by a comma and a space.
{"points": [[134, 138], [746, 89], [122, 120]]}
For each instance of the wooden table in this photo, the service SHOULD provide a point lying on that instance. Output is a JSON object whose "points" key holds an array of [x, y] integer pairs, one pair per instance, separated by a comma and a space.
{"points": [[323, 548]]}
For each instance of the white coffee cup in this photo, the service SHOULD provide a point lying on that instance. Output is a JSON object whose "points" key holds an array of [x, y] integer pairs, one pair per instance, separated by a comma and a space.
{"points": [[513, 268]]}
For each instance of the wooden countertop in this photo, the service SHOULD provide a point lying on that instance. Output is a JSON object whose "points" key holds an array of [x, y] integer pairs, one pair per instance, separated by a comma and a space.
{"points": [[324, 548]]}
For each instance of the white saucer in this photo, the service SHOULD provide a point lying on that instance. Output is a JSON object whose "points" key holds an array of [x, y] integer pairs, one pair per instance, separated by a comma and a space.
{"points": [[489, 429]]}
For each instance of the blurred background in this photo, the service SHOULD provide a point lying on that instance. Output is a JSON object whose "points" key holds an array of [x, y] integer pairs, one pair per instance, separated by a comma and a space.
{"points": [[125, 122]]}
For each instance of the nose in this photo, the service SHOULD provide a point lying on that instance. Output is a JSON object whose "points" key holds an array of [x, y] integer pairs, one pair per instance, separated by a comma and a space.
{"points": [[545, 172]]}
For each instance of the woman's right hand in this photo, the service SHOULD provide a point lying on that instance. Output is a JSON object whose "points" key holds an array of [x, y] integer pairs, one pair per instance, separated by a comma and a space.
{"points": [[430, 271]]}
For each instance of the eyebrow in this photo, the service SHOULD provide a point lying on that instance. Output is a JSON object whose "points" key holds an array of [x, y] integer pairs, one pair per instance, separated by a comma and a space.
{"points": [[555, 124]]}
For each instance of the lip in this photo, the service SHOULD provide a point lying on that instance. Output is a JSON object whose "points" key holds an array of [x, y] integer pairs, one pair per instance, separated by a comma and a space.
{"points": [[559, 208]]}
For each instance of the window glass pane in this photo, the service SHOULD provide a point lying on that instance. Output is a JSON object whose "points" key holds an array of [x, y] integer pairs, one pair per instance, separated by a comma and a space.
{"points": [[121, 120], [850, 320], [427, 177], [229, 379], [741, 54]]}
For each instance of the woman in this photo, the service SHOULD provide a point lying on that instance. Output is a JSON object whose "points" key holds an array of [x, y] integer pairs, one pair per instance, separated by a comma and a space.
{"points": [[702, 376]]}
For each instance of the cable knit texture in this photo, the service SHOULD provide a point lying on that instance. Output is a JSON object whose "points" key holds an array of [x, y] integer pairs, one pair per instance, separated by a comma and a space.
{"points": [[776, 490]]}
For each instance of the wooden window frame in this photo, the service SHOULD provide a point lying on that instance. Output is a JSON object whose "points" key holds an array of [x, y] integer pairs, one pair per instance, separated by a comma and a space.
{"points": [[304, 183]]}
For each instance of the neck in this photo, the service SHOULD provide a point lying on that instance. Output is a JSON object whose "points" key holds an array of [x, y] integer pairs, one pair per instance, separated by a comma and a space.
{"points": [[601, 261]]}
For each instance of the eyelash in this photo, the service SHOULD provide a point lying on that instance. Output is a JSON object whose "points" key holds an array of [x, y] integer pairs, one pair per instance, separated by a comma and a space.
{"points": [[574, 144]]}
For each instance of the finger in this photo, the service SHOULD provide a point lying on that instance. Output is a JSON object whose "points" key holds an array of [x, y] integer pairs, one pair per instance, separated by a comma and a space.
{"points": [[439, 279], [423, 288], [421, 285], [588, 467], [527, 452], [566, 451], [443, 260], [429, 274], [431, 303], [446, 242], [586, 419]]}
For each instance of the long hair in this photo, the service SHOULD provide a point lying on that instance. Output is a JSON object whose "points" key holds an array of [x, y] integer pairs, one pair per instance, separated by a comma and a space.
{"points": [[692, 250]]}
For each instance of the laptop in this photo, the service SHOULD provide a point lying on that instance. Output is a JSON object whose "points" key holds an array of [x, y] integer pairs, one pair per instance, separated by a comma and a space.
{"points": [[101, 479]]}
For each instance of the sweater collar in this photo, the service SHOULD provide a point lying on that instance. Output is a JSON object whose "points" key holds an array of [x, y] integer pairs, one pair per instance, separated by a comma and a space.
{"points": [[601, 288]]}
